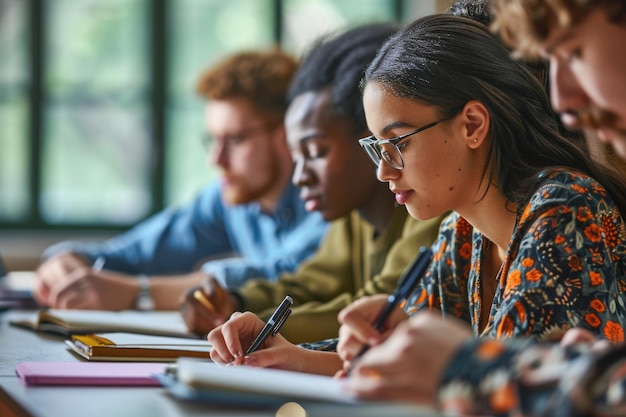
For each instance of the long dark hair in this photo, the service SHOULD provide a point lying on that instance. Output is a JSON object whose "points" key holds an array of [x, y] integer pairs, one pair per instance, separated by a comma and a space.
{"points": [[445, 61]]}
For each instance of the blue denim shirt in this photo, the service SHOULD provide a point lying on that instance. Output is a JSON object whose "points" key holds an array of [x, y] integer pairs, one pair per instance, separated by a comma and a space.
{"points": [[250, 243]]}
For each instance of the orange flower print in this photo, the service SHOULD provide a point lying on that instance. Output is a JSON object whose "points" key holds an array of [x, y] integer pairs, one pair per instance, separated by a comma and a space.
{"points": [[611, 234], [503, 398], [489, 349], [533, 275], [598, 306], [596, 278], [465, 251], [614, 332], [528, 262], [521, 311], [505, 328], [524, 214], [579, 189], [559, 239], [598, 189], [583, 214], [592, 319], [463, 228], [593, 232], [513, 280], [574, 263]]}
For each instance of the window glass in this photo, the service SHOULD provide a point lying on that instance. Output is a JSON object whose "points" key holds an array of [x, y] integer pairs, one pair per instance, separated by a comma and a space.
{"points": [[14, 86], [94, 142], [201, 32], [330, 15], [96, 149]]}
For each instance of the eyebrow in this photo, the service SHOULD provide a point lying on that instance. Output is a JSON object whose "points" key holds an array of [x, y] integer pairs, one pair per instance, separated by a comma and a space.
{"points": [[394, 125]]}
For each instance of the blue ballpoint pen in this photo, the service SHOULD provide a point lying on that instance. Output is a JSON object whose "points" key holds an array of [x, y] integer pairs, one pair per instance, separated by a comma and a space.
{"points": [[273, 325], [406, 284]]}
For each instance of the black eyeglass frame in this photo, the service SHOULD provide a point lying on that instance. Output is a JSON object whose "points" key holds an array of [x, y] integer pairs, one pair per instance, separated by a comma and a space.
{"points": [[371, 144]]}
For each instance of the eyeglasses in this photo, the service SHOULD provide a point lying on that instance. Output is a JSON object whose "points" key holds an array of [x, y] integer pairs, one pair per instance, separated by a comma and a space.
{"points": [[390, 149], [231, 141]]}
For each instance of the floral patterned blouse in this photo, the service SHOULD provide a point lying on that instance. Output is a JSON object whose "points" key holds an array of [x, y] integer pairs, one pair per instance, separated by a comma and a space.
{"points": [[526, 378], [565, 266]]}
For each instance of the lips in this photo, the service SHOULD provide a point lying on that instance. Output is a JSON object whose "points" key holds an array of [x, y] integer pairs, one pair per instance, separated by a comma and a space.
{"points": [[311, 202], [402, 195]]}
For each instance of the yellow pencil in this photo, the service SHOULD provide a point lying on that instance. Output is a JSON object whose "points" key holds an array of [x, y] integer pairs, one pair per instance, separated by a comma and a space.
{"points": [[201, 298]]}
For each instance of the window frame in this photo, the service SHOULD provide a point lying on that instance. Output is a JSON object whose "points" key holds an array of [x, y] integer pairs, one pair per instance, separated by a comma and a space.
{"points": [[158, 59]]}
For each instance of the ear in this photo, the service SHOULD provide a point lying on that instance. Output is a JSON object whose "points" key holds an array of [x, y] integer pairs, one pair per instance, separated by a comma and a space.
{"points": [[476, 121]]}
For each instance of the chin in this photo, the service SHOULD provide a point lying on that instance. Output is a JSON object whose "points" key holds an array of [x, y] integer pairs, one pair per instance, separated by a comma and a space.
{"points": [[420, 214]]}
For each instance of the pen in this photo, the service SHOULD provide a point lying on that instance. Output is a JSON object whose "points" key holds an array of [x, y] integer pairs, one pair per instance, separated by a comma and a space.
{"points": [[273, 325], [406, 284], [98, 264]]}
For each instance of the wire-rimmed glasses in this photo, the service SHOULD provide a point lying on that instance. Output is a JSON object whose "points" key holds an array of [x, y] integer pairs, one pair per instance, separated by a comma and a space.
{"points": [[389, 149]]}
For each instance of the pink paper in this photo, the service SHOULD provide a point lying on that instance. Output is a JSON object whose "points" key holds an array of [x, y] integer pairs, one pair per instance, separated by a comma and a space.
{"points": [[90, 373]]}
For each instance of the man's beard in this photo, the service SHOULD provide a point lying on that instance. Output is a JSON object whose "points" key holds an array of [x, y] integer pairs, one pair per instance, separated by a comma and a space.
{"points": [[239, 192], [595, 118]]}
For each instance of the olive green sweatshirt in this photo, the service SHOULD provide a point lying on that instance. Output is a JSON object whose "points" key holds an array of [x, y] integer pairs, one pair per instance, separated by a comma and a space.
{"points": [[350, 263]]}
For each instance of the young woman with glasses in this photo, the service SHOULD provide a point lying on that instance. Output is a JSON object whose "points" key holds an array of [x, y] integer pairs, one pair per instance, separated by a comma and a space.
{"points": [[535, 243]]}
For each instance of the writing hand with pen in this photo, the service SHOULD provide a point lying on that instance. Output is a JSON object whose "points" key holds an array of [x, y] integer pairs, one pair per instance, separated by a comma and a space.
{"points": [[369, 321], [245, 339], [205, 307]]}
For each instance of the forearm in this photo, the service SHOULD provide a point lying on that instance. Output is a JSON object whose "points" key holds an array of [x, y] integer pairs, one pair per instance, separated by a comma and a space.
{"points": [[167, 291], [321, 363]]}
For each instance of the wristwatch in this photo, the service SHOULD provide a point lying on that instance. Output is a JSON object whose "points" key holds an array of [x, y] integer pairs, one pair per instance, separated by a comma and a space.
{"points": [[144, 301]]}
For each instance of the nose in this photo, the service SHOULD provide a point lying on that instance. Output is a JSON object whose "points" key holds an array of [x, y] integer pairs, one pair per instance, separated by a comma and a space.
{"points": [[219, 154], [386, 172], [301, 174], [565, 91]]}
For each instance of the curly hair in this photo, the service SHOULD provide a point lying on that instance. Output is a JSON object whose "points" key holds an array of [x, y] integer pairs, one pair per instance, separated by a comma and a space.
{"points": [[261, 77], [338, 63], [523, 24]]}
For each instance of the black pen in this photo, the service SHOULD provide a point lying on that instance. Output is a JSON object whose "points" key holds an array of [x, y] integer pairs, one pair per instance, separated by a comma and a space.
{"points": [[406, 284], [273, 325]]}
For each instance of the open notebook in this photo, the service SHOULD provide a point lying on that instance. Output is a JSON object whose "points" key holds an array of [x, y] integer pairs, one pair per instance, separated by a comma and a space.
{"points": [[67, 322], [198, 380]]}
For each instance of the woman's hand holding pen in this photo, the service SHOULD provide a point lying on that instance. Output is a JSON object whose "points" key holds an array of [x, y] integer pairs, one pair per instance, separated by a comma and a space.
{"points": [[208, 306], [233, 338], [357, 327], [410, 363]]}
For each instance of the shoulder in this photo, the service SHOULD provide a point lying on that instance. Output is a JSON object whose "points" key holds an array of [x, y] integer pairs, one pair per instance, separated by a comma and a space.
{"points": [[560, 191]]}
